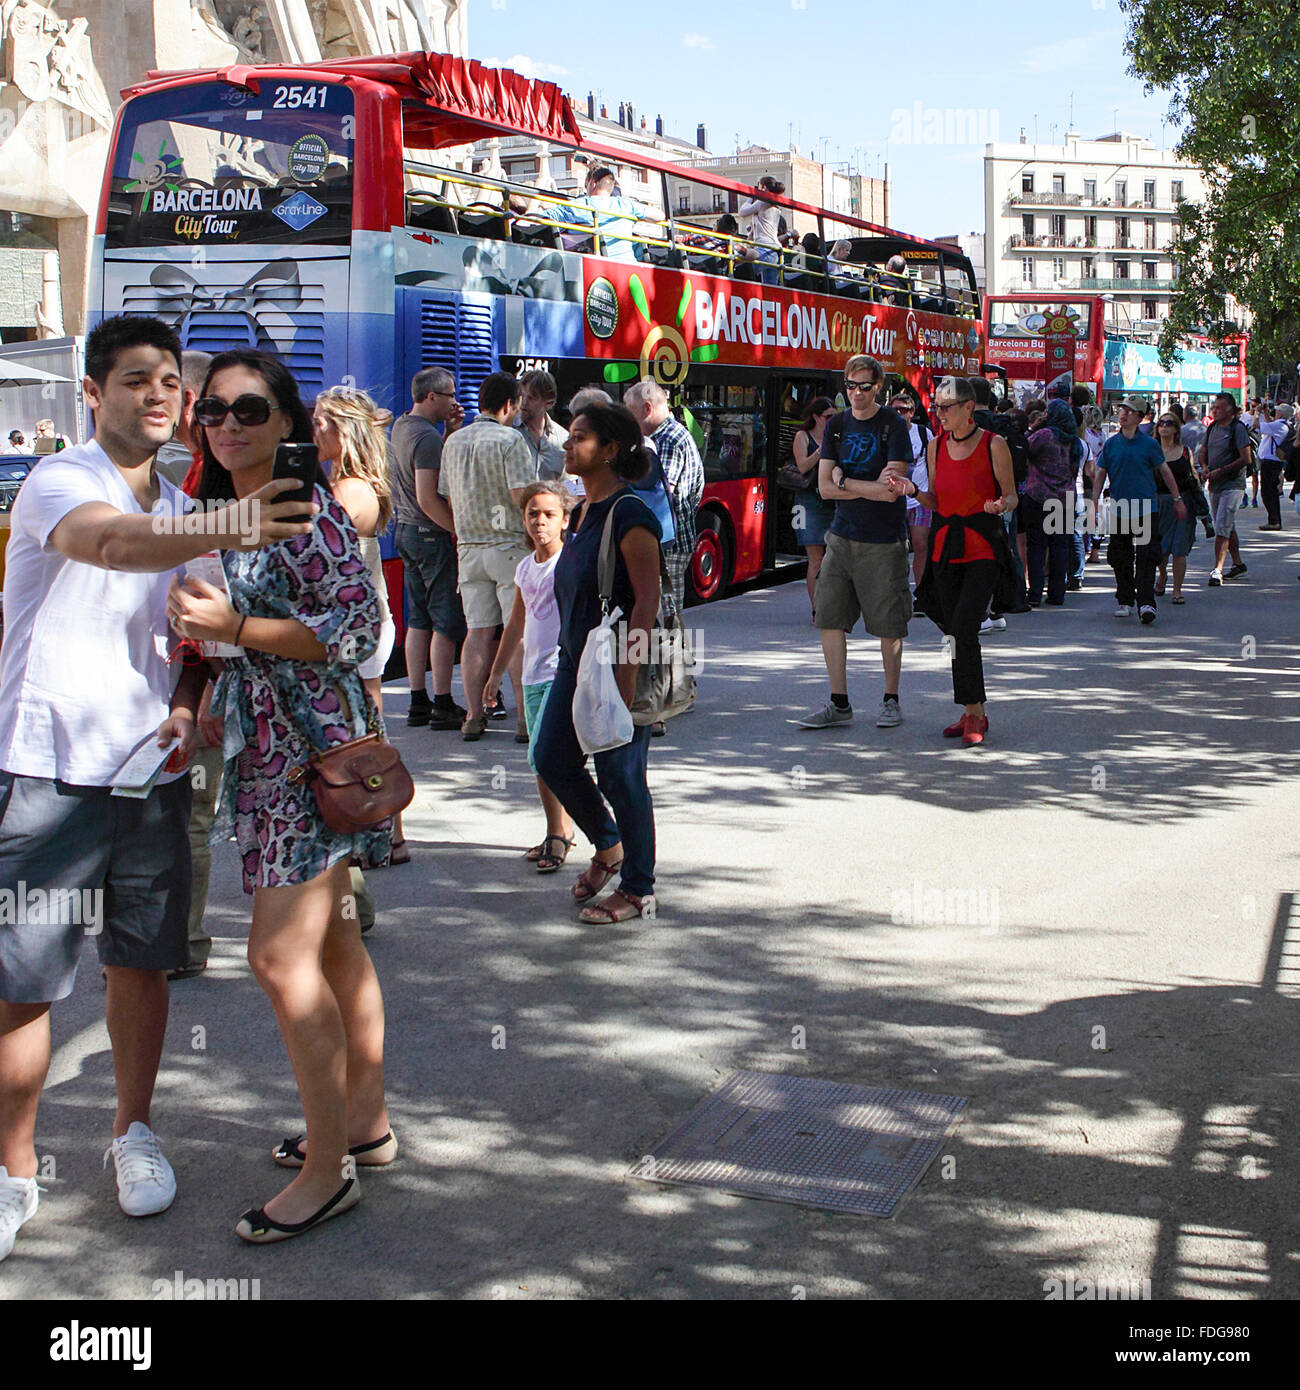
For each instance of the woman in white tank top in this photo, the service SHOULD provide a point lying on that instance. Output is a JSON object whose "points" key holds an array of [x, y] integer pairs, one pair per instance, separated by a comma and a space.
{"points": [[349, 430]]}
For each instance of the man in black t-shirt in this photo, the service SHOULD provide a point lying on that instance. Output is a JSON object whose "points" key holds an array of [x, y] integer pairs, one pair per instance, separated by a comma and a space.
{"points": [[865, 570]]}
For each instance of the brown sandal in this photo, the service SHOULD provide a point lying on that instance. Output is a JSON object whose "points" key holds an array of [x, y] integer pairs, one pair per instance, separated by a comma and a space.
{"points": [[548, 863], [593, 878], [618, 907]]}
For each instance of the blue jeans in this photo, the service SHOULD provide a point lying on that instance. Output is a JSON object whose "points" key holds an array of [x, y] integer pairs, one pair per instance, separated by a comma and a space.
{"points": [[768, 269], [621, 775]]}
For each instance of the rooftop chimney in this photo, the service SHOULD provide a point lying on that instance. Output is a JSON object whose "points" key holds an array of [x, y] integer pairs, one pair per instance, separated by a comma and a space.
{"points": [[701, 137], [644, 124], [631, 117], [1023, 141], [604, 112], [591, 106], [659, 125]]}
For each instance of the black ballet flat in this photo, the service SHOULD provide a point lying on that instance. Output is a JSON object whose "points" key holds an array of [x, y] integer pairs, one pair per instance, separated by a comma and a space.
{"points": [[378, 1153], [257, 1228]]}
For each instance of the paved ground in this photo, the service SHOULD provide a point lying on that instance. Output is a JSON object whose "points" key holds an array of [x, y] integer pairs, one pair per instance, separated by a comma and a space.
{"points": [[1081, 927]]}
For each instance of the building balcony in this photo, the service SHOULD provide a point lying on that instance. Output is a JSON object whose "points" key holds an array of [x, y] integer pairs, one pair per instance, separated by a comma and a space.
{"points": [[1077, 200], [1134, 285]]}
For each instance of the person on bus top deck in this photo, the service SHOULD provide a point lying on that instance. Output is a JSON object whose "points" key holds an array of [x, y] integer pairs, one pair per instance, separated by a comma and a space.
{"points": [[893, 281], [864, 573], [764, 226], [611, 217]]}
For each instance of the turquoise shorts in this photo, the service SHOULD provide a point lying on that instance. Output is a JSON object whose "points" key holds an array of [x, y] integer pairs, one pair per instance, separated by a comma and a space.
{"points": [[534, 703]]}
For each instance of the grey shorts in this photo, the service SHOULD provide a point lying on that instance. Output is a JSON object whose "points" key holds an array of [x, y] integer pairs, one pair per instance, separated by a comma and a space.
{"points": [[1223, 508], [867, 580], [78, 862]]}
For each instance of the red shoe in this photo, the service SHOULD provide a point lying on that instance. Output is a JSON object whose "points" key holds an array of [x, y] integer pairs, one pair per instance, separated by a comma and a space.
{"points": [[958, 729], [975, 731]]}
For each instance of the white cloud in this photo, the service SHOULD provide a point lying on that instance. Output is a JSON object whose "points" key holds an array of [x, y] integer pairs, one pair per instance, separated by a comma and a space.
{"points": [[696, 41], [526, 67]]}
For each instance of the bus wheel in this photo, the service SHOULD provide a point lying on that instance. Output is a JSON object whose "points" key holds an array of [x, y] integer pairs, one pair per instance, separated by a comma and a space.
{"points": [[710, 564]]}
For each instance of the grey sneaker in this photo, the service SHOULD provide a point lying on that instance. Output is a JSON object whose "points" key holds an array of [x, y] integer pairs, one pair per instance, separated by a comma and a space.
{"points": [[890, 716], [828, 715]]}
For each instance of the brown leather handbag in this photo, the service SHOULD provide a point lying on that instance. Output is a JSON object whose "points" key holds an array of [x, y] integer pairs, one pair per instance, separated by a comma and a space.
{"points": [[360, 783]]}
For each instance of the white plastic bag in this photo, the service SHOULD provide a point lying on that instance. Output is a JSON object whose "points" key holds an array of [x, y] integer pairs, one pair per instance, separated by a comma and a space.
{"points": [[601, 720]]}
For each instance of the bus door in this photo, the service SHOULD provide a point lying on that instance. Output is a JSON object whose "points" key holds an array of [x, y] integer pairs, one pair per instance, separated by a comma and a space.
{"points": [[791, 395]]}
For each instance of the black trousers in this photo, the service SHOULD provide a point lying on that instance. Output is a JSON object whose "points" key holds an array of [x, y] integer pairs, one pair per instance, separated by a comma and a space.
{"points": [[1270, 488], [963, 592], [1135, 567], [1049, 552]]}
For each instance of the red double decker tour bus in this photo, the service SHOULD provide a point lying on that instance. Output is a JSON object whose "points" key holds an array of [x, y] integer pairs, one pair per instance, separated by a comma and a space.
{"points": [[370, 217]]}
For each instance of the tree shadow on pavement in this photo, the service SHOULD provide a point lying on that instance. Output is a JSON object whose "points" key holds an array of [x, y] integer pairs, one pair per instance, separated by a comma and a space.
{"points": [[529, 1066]]}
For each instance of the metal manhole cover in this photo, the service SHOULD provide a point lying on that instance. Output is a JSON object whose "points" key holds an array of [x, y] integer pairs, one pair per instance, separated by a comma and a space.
{"points": [[825, 1144]]}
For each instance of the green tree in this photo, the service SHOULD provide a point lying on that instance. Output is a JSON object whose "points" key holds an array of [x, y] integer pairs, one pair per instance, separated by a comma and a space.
{"points": [[1233, 75]]}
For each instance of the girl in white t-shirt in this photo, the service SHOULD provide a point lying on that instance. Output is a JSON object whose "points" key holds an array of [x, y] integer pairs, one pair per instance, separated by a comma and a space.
{"points": [[536, 619]]}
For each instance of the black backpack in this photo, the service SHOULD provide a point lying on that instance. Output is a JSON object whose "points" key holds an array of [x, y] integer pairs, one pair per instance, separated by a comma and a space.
{"points": [[1017, 444]]}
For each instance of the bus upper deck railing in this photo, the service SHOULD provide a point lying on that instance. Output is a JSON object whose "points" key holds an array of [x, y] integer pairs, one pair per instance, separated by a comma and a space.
{"points": [[509, 211]]}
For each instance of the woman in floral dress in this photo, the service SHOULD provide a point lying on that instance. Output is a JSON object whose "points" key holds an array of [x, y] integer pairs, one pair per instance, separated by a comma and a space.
{"points": [[306, 615]]}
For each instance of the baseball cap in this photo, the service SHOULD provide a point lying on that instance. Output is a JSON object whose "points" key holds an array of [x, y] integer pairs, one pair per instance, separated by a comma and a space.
{"points": [[1137, 403]]}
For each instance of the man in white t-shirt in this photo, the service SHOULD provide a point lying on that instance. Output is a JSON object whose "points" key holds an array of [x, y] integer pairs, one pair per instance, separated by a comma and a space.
{"points": [[85, 685]]}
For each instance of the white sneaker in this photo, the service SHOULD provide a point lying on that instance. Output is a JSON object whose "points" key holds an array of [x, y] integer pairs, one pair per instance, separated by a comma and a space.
{"points": [[1123, 610], [993, 625], [19, 1198], [146, 1184]]}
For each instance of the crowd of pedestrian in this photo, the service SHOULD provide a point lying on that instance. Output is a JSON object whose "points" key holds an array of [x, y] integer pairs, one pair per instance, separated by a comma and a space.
{"points": [[125, 744]]}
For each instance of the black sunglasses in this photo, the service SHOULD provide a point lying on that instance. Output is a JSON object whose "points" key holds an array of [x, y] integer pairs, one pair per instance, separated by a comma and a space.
{"points": [[248, 410], [860, 385]]}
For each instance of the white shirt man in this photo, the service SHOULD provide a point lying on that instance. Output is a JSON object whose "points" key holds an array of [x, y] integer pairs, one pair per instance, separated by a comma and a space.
{"points": [[84, 684]]}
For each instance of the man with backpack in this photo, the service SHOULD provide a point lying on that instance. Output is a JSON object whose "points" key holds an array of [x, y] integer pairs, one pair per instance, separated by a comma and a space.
{"points": [[864, 574], [1224, 458], [1006, 427]]}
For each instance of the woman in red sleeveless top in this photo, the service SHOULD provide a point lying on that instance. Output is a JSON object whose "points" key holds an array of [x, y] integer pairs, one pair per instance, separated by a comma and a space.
{"points": [[971, 485]]}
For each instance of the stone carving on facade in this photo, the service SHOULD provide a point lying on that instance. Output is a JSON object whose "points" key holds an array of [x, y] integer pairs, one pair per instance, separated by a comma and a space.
{"points": [[299, 31], [48, 58]]}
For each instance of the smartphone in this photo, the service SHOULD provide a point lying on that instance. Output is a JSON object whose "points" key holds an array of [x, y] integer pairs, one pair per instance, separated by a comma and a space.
{"points": [[299, 462]]}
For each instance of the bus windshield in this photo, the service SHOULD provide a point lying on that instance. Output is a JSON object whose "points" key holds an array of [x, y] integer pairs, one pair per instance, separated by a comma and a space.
{"points": [[1022, 319], [214, 164]]}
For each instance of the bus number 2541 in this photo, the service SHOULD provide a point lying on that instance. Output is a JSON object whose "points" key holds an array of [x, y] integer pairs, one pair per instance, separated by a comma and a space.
{"points": [[532, 364]]}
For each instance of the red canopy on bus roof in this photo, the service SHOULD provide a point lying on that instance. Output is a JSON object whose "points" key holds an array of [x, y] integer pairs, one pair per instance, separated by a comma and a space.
{"points": [[474, 97], [455, 86]]}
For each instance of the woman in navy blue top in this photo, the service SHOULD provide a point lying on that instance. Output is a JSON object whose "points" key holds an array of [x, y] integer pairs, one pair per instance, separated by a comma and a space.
{"points": [[605, 450]]}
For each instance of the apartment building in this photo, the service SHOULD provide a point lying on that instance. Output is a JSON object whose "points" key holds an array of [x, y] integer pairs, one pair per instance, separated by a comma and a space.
{"points": [[1094, 216]]}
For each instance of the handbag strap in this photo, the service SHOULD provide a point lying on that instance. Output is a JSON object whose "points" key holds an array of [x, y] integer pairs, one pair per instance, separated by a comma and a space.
{"points": [[605, 564]]}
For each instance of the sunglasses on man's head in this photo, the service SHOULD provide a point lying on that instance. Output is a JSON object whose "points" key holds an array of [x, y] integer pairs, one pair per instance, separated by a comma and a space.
{"points": [[248, 410]]}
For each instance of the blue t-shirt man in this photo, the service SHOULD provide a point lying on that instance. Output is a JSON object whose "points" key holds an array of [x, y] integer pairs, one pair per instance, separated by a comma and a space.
{"points": [[1132, 465], [863, 448]]}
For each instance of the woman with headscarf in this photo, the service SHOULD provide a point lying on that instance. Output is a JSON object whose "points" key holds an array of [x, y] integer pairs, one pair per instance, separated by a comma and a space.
{"points": [[1047, 503]]}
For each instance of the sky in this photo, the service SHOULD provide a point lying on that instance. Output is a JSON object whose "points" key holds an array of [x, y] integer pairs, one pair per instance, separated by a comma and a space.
{"points": [[844, 79]]}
